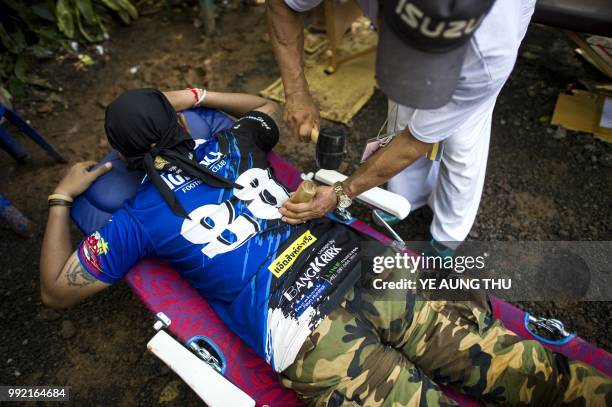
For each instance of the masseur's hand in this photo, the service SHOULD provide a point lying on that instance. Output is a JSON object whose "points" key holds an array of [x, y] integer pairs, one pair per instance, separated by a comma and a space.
{"points": [[301, 115], [324, 200], [79, 178]]}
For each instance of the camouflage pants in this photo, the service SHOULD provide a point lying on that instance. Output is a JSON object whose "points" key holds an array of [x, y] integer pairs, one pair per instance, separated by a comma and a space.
{"points": [[376, 349]]}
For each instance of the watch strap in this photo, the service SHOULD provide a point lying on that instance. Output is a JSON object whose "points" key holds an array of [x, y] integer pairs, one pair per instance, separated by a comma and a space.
{"points": [[341, 194]]}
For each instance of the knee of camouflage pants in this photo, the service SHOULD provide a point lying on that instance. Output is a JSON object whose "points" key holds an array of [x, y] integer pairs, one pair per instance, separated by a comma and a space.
{"points": [[344, 363]]}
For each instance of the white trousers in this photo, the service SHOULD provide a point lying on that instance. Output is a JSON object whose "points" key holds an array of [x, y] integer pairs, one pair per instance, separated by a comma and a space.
{"points": [[452, 187]]}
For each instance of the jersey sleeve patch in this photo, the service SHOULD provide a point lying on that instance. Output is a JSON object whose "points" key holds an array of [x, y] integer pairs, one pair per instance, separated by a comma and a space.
{"points": [[110, 252], [91, 254]]}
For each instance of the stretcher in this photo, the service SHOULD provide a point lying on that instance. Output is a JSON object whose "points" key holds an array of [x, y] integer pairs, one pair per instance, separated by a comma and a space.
{"points": [[197, 345]]}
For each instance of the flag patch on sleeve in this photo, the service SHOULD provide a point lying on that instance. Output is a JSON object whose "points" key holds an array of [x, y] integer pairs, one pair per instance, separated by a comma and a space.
{"points": [[92, 249]]}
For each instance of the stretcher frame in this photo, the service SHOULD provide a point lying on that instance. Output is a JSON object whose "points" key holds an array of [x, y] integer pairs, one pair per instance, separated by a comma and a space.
{"points": [[152, 280], [222, 369]]}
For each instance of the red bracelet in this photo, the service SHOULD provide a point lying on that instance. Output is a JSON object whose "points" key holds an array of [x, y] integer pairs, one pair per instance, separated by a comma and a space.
{"points": [[196, 95]]}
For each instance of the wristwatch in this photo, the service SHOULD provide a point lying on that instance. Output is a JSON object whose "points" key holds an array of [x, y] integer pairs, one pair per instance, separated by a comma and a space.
{"points": [[344, 201]]}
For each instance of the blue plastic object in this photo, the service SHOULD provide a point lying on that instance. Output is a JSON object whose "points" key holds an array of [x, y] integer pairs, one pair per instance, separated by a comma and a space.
{"points": [[16, 220], [213, 345], [28, 130], [540, 338], [94, 207], [9, 144], [332, 216]]}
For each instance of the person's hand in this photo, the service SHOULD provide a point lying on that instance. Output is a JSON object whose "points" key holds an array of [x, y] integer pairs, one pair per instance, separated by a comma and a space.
{"points": [[79, 178], [324, 200], [301, 115]]}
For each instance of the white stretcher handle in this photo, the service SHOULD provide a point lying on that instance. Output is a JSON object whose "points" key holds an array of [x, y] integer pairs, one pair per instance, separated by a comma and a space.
{"points": [[388, 201], [213, 388]]}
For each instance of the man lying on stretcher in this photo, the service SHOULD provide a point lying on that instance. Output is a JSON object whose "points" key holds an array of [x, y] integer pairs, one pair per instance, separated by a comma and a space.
{"points": [[291, 292]]}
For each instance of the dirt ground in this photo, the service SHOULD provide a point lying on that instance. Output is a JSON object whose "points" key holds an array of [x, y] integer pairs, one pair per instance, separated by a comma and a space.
{"points": [[541, 185]]}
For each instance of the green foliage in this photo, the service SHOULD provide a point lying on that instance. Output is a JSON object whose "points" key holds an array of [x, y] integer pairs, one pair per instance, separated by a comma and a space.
{"points": [[37, 28]]}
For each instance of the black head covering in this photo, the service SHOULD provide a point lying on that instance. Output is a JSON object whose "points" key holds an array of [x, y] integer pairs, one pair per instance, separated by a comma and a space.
{"points": [[143, 126]]}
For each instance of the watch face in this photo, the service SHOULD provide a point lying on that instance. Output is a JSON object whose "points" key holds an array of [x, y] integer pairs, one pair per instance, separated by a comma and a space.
{"points": [[345, 202]]}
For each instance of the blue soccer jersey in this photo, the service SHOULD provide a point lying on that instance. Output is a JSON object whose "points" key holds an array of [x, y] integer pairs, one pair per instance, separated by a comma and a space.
{"points": [[269, 281]]}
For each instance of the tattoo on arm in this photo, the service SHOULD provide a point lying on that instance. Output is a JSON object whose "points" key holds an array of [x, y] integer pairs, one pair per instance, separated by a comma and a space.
{"points": [[77, 276]]}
